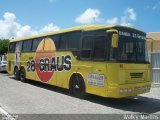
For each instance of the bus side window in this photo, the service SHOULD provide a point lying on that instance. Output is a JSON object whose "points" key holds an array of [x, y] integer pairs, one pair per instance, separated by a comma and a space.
{"points": [[99, 47], [73, 40], [12, 47], [62, 42], [36, 43], [86, 47], [27, 45], [19, 45], [56, 38], [73, 43]]}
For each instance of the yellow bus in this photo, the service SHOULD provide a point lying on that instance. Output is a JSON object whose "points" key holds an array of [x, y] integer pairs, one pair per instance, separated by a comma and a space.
{"points": [[109, 61]]}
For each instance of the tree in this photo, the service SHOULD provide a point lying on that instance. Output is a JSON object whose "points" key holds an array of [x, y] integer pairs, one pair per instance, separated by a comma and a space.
{"points": [[4, 46]]}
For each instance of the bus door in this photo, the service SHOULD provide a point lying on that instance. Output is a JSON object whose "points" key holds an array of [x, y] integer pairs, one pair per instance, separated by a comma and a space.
{"points": [[97, 77], [95, 46]]}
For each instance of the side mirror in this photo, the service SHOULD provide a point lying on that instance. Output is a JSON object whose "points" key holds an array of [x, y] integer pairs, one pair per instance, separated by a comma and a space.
{"points": [[115, 40]]}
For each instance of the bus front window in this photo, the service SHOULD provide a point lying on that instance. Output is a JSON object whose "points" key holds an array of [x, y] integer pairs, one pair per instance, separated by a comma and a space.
{"points": [[130, 51]]}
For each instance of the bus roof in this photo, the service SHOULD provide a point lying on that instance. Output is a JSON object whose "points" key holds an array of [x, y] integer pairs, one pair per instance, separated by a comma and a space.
{"points": [[83, 27]]}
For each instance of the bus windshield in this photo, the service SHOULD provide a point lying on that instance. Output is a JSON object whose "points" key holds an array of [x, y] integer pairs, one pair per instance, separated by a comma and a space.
{"points": [[130, 50]]}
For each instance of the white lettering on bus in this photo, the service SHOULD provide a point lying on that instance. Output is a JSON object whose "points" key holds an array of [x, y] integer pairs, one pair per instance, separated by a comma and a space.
{"points": [[133, 35], [124, 33], [49, 65]]}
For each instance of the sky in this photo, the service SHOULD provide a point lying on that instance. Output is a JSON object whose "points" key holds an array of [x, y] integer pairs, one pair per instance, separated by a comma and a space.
{"points": [[19, 18]]}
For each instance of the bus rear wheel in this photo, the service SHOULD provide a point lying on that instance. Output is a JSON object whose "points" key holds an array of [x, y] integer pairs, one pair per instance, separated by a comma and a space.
{"points": [[77, 86], [22, 75], [16, 73]]}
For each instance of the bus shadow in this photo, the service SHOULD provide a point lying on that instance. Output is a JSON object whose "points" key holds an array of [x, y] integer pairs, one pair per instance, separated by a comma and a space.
{"points": [[3, 72], [138, 104], [48, 87]]}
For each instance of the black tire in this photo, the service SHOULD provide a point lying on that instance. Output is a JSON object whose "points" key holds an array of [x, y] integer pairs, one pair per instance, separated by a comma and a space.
{"points": [[16, 73], [22, 75], [77, 87]]}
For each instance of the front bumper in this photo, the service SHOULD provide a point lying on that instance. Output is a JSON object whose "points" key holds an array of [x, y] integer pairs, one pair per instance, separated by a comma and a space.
{"points": [[126, 90]]}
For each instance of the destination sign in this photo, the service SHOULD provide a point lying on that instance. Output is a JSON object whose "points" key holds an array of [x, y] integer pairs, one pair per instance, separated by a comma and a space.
{"points": [[133, 35]]}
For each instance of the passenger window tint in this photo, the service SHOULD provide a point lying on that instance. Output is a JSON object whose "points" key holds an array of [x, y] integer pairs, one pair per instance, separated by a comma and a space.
{"points": [[99, 47], [27, 44], [12, 47], [62, 42], [56, 39], [36, 43], [73, 40], [86, 47], [18, 46]]}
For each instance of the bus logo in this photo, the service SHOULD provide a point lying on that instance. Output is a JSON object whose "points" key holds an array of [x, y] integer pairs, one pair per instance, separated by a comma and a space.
{"points": [[45, 50], [46, 62]]}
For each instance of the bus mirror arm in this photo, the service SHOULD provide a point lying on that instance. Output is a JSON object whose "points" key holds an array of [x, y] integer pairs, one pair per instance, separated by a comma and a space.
{"points": [[112, 31]]}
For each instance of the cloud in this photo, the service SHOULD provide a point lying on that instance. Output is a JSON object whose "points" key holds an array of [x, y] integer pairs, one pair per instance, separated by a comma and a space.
{"points": [[129, 17], [10, 28], [156, 6], [49, 27], [112, 20], [89, 16], [24, 31], [9, 16], [52, 1], [130, 13]]}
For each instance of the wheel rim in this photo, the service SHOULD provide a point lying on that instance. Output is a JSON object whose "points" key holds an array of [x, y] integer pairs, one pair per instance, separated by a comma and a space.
{"points": [[16, 73], [77, 86]]}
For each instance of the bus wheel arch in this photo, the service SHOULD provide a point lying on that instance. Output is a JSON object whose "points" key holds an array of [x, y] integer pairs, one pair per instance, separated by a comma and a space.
{"points": [[16, 73], [77, 86], [22, 74]]}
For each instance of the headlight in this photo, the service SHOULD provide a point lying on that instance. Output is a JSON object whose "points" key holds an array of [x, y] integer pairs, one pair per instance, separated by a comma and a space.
{"points": [[125, 90], [130, 90], [121, 91]]}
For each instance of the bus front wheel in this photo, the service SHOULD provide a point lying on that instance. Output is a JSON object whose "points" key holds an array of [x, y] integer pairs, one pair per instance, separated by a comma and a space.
{"points": [[77, 86], [22, 75]]}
